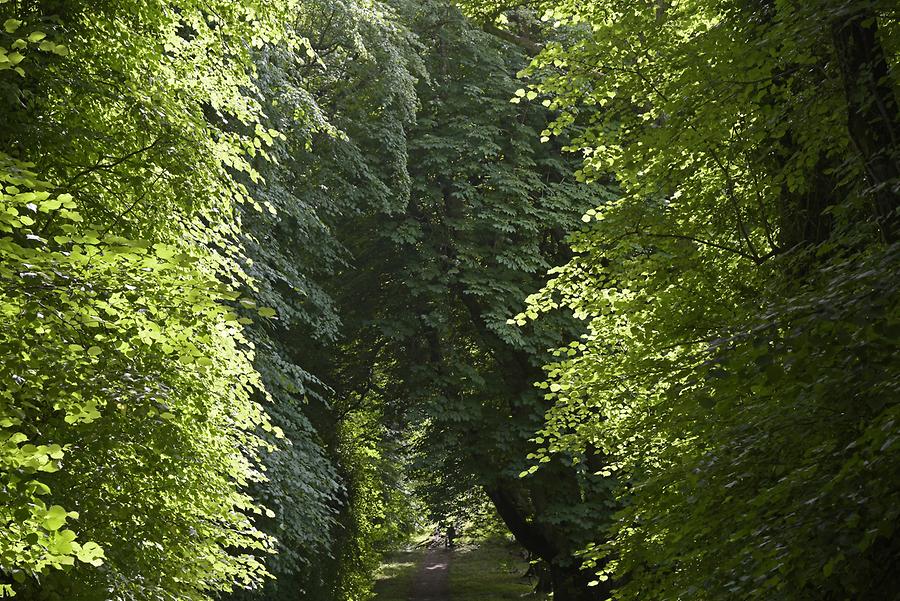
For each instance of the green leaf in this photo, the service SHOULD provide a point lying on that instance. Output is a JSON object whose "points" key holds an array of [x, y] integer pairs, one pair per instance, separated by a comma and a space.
{"points": [[11, 25], [63, 542], [54, 518], [91, 553]]}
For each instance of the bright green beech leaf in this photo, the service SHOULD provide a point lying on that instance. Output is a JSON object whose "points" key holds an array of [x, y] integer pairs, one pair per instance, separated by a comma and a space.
{"points": [[54, 518]]}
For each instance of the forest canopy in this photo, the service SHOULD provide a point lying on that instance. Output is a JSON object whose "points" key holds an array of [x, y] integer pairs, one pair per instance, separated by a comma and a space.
{"points": [[284, 282]]}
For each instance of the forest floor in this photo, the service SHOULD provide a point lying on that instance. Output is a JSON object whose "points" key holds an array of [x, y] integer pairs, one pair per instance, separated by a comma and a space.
{"points": [[488, 571]]}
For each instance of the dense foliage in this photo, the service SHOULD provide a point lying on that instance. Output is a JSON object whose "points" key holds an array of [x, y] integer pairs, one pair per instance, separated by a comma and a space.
{"points": [[445, 266], [128, 384], [283, 281], [739, 374], [153, 199]]}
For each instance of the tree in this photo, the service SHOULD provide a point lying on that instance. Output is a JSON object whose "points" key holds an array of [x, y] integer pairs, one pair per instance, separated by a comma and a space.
{"points": [[130, 412], [446, 265], [737, 373]]}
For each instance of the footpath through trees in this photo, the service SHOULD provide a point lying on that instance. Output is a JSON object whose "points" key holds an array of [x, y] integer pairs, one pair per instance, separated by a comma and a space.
{"points": [[283, 280], [431, 581]]}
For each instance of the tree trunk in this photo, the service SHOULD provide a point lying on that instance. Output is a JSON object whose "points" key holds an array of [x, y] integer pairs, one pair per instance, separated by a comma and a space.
{"points": [[571, 584], [540, 570], [872, 111], [568, 581]]}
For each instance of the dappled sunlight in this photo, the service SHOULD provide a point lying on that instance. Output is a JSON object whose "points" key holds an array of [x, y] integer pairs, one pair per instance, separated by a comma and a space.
{"points": [[392, 570], [449, 300]]}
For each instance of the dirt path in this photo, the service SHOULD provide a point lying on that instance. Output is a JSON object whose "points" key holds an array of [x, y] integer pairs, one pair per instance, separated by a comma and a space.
{"points": [[430, 582]]}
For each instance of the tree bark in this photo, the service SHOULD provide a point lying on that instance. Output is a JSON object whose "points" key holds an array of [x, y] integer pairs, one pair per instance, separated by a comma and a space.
{"points": [[872, 111], [568, 581], [572, 585]]}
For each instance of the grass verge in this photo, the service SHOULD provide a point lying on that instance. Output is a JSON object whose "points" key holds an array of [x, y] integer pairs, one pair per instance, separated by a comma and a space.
{"points": [[492, 570], [394, 578]]}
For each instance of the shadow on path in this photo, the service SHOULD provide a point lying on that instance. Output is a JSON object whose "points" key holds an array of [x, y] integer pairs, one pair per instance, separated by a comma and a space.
{"points": [[430, 582]]}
